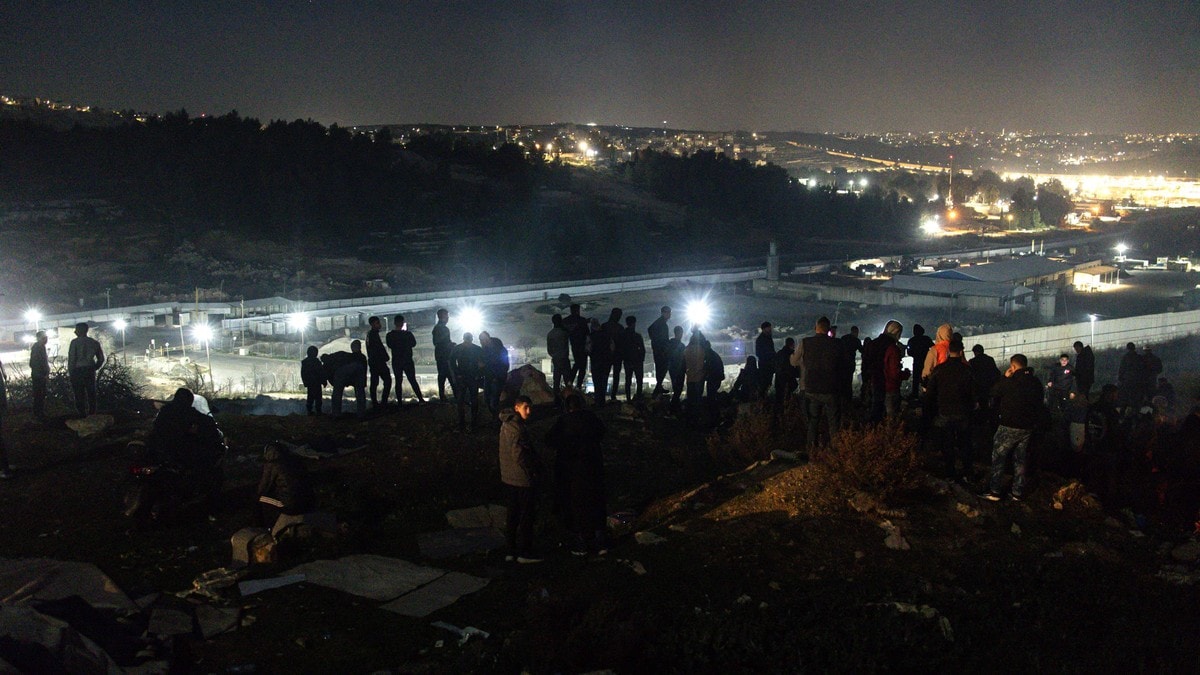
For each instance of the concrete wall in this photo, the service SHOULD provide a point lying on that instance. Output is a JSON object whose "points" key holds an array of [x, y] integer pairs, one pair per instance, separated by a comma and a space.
{"points": [[875, 296], [1109, 334]]}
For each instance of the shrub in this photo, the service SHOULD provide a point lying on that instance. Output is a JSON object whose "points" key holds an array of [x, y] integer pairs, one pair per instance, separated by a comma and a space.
{"points": [[879, 459], [755, 433], [118, 387]]}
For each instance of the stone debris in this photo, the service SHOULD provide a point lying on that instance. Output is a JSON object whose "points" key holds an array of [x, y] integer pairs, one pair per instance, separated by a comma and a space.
{"points": [[1074, 495], [966, 510], [648, 538], [91, 425], [257, 585], [894, 539]]}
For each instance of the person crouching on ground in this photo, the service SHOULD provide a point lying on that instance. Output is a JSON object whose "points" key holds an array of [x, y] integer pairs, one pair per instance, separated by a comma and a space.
{"points": [[520, 472]]}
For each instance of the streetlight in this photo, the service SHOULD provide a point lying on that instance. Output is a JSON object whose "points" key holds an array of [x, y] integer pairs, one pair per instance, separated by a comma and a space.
{"points": [[121, 325], [182, 340], [1092, 320], [204, 333], [470, 319], [698, 312], [33, 315]]}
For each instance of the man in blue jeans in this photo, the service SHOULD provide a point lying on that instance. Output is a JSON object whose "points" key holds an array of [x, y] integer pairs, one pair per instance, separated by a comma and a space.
{"points": [[1018, 398]]}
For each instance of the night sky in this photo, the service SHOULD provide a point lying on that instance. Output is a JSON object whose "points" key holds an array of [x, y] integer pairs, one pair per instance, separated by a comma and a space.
{"points": [[814, 66]]}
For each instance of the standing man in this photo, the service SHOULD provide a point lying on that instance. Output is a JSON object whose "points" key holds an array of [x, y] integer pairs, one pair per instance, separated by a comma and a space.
{"points": [[468, 367], [312, 376], [558, 346], [886, 376], [520, 472], [84, 359], [950, 395], [764, 351], [1019, 399], [1061, 386], [851, 346], [443, 352], [612, 340], [660, 338], [918, 347], [496, 362], [577, 333], [401, 341], [693, 361], [787, 376], [633, 354], [1085, 367], [348, 370], [1131, 378], [39, 373], [817, 357], [377, 362], [677, 367]]}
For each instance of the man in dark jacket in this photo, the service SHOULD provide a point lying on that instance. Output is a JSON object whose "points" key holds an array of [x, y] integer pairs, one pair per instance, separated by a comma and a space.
{"points": [[1018, 398], [1061, 386], [284, 487], [401, 341], [950, 395], [598, 352], [312, 375], [558, 346], [764, 352], [633, 355], [660, 338], [851, 348], [579, 475], [520, 472], [918, 348], [676, 366], [496, 361], [612, 334], [443, 351], [467, 362], [787, 376], [1085, 367], [817, 356], [377, 362], [39, 373], [1131, 378], [577, 331], [191, 440], [347, 369]]}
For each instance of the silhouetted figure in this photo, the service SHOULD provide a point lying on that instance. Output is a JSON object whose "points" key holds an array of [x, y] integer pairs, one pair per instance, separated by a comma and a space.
{"points": [[39, 373], [612, 333], [1085, 367], [521, 473], [377, 362], [558, 346], [285, 487], [496, 365], [984, 375], [950, 396], [191, 441], [851, 347], [598, 354], [745, 387], [578, 329], [714, 375], [1154, 368], [633, 355], [918, 348], [660, 338], [787, 376], [402, 342], [693, 361], [882, 361], [818, 356], [347, 369], [1166, 390], [764, 353], [469, 369], [312, 376], [1131, 378], [677, 367], [443, 350], [579, 475], [5, 467], [85, 358]]}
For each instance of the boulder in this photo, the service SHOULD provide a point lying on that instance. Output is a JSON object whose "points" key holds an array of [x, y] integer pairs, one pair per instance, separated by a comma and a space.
{"points": [[90, 425], [528, 381], [1074, 495]]}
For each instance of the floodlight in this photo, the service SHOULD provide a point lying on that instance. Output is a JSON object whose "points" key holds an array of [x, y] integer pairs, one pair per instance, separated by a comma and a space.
{"points": [[1122, 248], [298, 321], [120, 324], [202, 332], [930, 225], [33, 315], [698, 312], [470, 320]]}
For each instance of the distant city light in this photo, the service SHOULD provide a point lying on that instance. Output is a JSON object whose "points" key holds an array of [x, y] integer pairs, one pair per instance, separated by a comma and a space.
{"points": [[862, 182], [583, 146], [698, 312], [298, 321], [470, 320]]}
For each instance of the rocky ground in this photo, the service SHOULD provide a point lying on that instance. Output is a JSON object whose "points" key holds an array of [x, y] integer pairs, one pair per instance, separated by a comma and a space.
{"points": [[774, 567]]}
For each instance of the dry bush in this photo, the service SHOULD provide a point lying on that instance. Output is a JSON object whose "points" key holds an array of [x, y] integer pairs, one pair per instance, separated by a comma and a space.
{"points": [[754, 434], [879, 459]]}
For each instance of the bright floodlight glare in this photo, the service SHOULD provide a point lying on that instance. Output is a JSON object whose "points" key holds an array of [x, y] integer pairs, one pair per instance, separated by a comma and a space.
{"points": [[1121, 248], [298, 321], [1092, 317], [28, 339], [120, 324], [930, 225], [33, 315], [202, 332], [470, 319], [697, 312], [862, 182]]}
